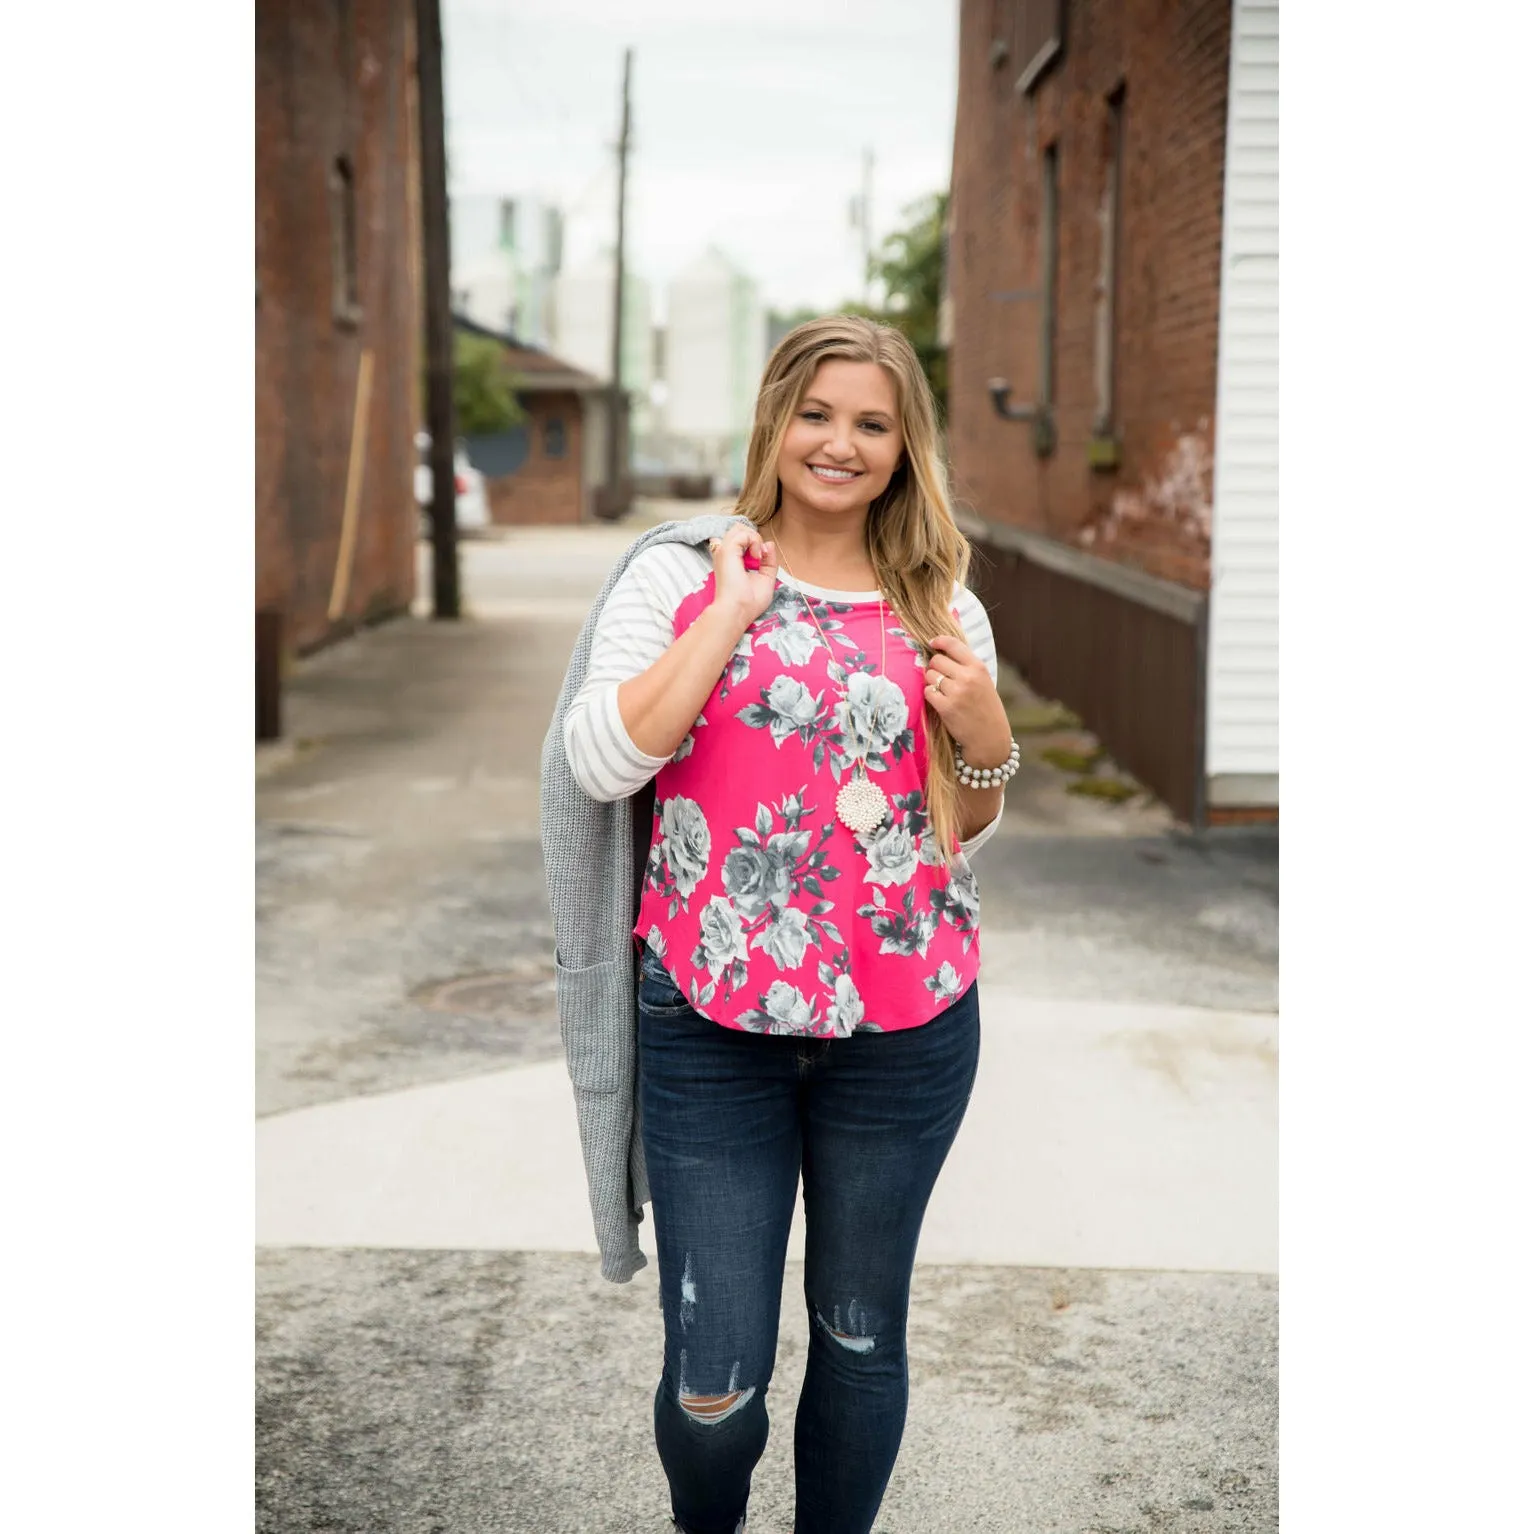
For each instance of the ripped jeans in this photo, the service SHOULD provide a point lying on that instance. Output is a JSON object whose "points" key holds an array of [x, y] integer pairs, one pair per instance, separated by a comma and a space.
{"points": [[730, 1120]]}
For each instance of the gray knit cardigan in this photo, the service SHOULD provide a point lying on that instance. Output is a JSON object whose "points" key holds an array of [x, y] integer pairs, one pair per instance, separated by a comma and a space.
{"points": [[591, 865]]}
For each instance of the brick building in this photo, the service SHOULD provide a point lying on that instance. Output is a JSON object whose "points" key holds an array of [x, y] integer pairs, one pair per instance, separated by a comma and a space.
{"points": [[549, 467], [1112, 324], [337, 279]]}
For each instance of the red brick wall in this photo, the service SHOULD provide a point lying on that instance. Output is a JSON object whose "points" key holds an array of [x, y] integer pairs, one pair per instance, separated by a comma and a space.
{"points": [[333, 80], [1172, 57], [544, 489]]}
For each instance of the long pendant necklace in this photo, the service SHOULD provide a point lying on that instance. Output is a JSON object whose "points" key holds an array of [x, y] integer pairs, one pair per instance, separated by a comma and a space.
{"points": [[861, 805]]}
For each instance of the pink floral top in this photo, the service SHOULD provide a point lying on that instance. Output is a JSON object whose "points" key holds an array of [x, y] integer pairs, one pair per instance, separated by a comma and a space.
{"points": [[768, 913]]}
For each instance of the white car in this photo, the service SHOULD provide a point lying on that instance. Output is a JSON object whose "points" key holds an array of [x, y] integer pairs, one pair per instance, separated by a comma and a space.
{"points": [[473, 507]]}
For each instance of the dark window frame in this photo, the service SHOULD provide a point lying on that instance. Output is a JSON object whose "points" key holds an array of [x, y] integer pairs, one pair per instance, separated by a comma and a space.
{"points": [[1049, 267], [556, 439], [1110, 235], [346, 302], [1041, 39]]}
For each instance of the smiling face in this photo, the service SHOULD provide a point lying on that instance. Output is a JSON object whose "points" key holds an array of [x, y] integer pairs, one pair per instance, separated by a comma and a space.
{"points": [[844, 441]]}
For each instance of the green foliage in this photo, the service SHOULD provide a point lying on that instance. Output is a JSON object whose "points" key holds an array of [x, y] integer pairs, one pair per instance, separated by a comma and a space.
{"points": [[1071, 761], [484, 388], [1113, 790], [1041, 718], [909, 269], [483, 397]]}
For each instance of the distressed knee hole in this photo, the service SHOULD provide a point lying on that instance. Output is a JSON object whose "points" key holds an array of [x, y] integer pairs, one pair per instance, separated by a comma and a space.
{"points": [[711, 1409], [852, 1337]]}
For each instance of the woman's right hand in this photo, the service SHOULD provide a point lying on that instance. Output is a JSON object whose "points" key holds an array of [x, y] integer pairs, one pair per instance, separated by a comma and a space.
{"points": [[746, 594]]}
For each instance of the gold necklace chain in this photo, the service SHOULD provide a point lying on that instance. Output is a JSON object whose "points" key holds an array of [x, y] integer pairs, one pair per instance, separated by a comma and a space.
{"points": [[810, 608], [861, 806]]}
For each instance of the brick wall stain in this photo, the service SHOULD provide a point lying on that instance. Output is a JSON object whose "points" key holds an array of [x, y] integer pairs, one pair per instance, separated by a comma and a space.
{"points": [[1172, 59], [333, 80]]}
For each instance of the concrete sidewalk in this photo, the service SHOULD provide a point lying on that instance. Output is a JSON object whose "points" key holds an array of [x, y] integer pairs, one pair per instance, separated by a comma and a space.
{"points": [[1094, 1330]]}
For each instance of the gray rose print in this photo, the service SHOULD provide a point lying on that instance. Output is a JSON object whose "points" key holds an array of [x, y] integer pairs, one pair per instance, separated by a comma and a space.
{"points": [[738, 667], [721, 951], [845, 1013], [872, 726], [792, 643], [895, 850], [789, 604], [680, 858], [784, 1009], [764, 872], [873, 717], [891, 857], [756, 878], [684, 750], [785, 938], [655, 941], [944, 985], [906, 930], [722, 939], [958, 902], [787, 708]]}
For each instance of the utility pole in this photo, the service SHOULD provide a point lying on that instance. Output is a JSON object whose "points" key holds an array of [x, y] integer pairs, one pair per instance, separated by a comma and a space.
{"points": [[439, 311], [615, 501]]}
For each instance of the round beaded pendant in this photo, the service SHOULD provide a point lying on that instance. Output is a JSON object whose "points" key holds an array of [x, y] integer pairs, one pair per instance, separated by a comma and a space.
{"points": [[860, 806]]}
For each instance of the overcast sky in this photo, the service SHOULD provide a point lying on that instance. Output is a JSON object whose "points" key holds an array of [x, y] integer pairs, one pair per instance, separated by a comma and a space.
{"points": [[749, 124]]}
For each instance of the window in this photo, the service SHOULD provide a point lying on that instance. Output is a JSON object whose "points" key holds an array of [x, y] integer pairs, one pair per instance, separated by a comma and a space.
{"points": [[508, 225], [1049, 263], [343, 242], [554, 253], [1039, 40], [1105, 290], [554, 437]]}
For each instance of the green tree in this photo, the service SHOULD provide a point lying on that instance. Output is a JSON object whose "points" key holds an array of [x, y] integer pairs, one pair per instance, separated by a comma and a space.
{"points": [[908, 267], [484, 388], [484, 397]]}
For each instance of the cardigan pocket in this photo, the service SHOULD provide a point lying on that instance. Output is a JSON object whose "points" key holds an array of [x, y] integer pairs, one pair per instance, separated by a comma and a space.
{"points": [[596, 1022]]}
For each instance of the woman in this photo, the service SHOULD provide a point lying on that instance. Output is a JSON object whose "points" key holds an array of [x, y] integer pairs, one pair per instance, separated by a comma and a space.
{"points": [[811, 689]]}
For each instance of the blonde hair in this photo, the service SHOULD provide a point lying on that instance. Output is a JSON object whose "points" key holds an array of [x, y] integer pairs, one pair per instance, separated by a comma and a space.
{"points": [[916, 548]]}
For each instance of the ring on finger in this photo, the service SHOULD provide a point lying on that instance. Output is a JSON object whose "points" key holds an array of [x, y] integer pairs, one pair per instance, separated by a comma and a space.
{"points": [[937, 686]]}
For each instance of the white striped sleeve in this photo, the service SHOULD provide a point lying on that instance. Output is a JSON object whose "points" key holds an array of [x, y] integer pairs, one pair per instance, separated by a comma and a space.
{"points": [[634, 629], [976, 623]]}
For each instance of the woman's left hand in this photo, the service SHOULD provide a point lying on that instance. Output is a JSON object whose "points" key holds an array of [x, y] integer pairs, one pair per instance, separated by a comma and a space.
{"points": [[961, 693]]}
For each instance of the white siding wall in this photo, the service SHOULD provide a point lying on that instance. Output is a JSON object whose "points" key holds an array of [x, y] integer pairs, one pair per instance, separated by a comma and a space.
{"points": [[1242, 728], [716, 335], [582, 329], [507, 287]]}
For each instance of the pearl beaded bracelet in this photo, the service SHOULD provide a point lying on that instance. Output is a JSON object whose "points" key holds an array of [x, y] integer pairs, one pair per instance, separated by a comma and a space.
{"points": [[987, 777]]}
